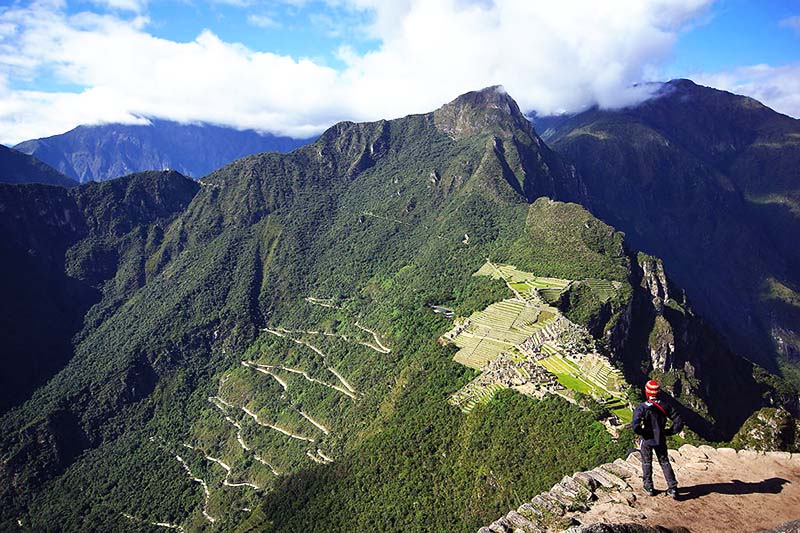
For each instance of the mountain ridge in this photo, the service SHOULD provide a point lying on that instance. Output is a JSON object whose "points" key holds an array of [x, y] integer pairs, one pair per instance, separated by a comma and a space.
{"points": [[235, 281], [706, 180], [96, 153], [18, 167]]}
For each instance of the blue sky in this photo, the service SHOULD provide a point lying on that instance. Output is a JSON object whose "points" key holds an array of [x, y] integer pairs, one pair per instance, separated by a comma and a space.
{"points": [[296, 66], [737, 33]]}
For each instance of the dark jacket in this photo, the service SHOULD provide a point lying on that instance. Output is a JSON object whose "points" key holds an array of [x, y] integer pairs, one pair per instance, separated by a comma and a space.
{"points": [[650, 422]]}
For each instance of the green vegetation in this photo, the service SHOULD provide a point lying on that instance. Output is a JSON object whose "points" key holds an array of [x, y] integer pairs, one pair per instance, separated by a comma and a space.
{"points": [[316, 269]]}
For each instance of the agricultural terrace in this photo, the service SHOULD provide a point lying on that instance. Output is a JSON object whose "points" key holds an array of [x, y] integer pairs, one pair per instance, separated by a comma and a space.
{"points": [[507, 337], [524, 284]]}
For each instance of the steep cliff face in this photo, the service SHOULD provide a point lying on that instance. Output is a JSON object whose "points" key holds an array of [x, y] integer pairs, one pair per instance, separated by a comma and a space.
{"points": [[769, 429], [667, 341]]}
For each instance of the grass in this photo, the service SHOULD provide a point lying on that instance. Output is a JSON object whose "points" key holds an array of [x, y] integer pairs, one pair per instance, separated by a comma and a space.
{"points": [[590, 379]]}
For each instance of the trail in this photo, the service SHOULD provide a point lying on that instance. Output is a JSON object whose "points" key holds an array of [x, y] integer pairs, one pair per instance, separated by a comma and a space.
{"points": [[324, 457], [234, 423], [341, 379], [268, 465], [313, 332], [314, 458], [158, 524], [319, 425], [276, 428], [380, 348], [323, 302], [225, 467], [308, 378], [351, 391], [254, 366], [267, 372], [205, 488]]}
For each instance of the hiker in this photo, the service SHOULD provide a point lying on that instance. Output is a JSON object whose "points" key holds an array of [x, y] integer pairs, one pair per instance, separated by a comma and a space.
{"points": [[650, 423]]}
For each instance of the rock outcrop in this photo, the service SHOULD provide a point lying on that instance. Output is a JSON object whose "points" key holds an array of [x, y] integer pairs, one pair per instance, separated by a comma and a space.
{"points": [[721, 490]]}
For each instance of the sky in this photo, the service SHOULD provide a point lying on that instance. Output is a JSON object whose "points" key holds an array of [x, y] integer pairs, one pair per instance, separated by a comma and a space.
{"points": [[295, 67]]}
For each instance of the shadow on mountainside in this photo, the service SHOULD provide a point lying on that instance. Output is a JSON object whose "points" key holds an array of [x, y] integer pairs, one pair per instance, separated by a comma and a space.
{"points": [[773, 485]]}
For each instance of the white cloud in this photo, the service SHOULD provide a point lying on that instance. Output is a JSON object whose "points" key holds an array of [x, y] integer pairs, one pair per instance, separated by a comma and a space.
{"points": [[136, 6], [263, 21], [776, 87], [791, 22], [549, 56]]}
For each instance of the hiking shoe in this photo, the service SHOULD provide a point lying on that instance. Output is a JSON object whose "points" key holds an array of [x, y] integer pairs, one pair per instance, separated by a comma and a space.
{"points": [[651, 492], [672, 493]]}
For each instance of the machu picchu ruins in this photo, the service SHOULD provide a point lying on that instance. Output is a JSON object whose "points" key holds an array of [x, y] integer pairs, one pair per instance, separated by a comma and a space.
{"points": [[527, 344]]}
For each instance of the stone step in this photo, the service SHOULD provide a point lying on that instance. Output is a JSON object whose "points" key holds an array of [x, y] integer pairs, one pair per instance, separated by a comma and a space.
{"points": [[693, 453], [620, 472], [518, 521], [608, 480], [676, 457], [635, 459], [573, 486], [530, 511], [500, 526], [564, 496], [547, 505], [636, 470], [585, 480]]}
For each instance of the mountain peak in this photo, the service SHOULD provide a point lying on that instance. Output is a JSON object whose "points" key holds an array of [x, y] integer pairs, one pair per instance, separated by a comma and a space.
{"points": [[488, 110]]}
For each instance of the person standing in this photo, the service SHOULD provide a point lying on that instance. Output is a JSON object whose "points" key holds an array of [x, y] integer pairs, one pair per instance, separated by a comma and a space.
{"points": [[650, 423]]}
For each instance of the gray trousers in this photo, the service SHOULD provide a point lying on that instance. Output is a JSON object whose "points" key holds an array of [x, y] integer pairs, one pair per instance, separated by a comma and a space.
{"points": [[647, 465]]}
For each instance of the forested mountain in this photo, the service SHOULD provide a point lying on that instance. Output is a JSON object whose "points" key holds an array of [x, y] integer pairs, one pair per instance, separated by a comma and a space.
{"points": [[708, 181], [257, 350], [17, 167], [96, 153]]}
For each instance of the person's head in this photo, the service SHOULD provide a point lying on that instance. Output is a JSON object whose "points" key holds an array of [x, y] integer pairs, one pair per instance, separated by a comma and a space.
{"points": [[651, 389]]}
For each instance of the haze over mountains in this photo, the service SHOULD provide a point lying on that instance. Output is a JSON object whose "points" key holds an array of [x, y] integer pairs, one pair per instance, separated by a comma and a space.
{"points": [[96, 153], [256, 350]]}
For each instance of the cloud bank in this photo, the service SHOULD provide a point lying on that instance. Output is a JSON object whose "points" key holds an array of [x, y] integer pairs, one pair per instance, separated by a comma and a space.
{"points": [[551, 57], [776, 87]]}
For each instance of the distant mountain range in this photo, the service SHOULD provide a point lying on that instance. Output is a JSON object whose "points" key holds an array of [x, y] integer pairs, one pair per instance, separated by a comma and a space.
{"points": [[710, 182], [97, 153], [17, 167]]}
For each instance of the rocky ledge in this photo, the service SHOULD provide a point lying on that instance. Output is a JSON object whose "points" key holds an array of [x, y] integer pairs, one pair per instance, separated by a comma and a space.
{"points": [[721, 490]]}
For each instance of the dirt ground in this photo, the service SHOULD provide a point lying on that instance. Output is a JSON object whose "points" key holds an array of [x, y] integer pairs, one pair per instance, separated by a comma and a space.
{"points": [[720, 490]]}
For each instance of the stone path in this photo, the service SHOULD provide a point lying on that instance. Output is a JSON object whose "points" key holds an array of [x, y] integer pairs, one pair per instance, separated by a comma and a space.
{"points": [[721, 490]]}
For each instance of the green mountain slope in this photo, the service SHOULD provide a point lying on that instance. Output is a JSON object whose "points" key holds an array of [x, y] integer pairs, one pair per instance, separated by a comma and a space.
{"points": [[267, 353], [17, 167], [708, 181], [65, 251]]}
